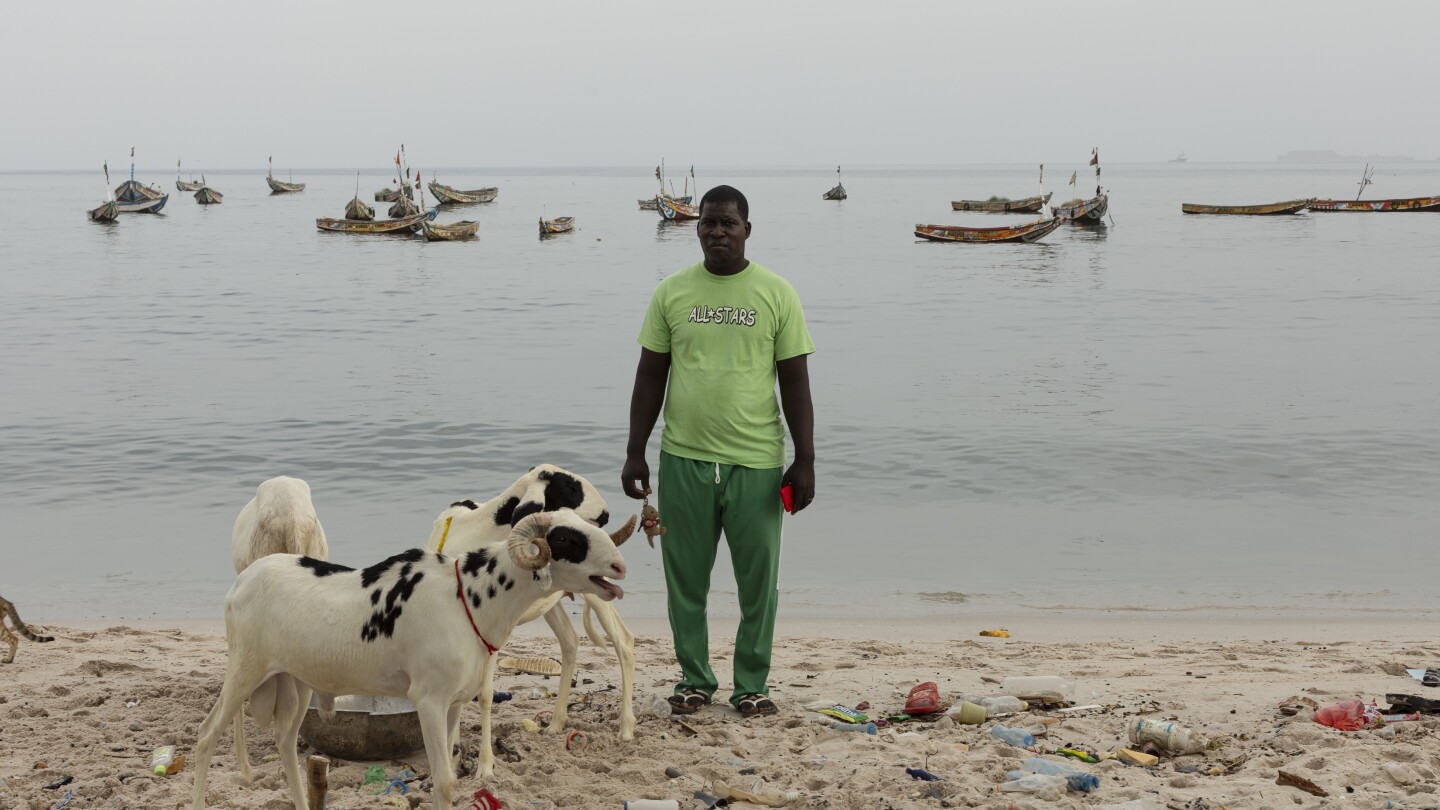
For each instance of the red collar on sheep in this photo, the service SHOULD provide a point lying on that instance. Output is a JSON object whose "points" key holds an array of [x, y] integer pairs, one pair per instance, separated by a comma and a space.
{"points": [[460, 593]]}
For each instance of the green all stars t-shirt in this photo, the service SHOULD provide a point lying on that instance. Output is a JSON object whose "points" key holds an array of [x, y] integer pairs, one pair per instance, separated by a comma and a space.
{"points": [[724, 335]]}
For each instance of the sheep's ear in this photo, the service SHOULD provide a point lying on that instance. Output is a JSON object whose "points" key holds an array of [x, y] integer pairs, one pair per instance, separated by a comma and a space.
{"points": [[532, 500]]}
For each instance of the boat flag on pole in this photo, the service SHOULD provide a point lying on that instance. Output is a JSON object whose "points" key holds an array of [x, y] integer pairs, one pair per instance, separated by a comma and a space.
{"points": [[1072, 177], [1095, 156]]}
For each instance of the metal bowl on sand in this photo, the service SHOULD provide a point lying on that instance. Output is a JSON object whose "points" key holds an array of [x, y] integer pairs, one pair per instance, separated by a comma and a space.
{"points": [[365, 727]]}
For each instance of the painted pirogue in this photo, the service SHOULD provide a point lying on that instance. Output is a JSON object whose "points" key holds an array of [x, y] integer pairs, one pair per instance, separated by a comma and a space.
{"points": [[277, 186], [653, 204], [1083, 212], [672, 209], [1028, 205], [455, 196], [1028, 232], [556, 225], [1400, 204], [107, 212], [449, 231], [402, 225], [1266, 209], [208, 196], [185, 185]]}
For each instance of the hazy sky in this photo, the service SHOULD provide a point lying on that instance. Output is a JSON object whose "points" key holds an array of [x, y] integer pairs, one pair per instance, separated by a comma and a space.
{"points": [[563, 83]]}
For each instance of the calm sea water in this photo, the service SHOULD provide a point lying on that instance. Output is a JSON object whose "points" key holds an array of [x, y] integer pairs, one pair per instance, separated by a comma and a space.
{"points": [[1168, 413]]}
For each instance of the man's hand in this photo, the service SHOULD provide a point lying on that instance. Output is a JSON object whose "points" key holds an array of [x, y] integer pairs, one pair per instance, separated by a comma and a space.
{"points": [[801, 476], [635, 477]]}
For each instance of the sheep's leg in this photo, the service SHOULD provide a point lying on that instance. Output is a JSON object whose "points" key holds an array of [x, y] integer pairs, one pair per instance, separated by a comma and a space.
{"points": [[485, 765], [569, 649], [624, 642], [239, 684], [452, 740], [242, 757], [434, 725], [291, 699]]}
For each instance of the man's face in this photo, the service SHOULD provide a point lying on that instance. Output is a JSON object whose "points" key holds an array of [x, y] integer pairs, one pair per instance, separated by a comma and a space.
{"points": [[722, 232]]}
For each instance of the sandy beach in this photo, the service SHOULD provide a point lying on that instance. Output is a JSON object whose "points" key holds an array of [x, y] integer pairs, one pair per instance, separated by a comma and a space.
{"points": [[93, 704]]}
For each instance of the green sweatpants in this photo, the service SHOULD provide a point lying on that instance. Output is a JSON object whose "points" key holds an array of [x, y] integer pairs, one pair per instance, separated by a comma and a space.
{"points": [[699, 499]]}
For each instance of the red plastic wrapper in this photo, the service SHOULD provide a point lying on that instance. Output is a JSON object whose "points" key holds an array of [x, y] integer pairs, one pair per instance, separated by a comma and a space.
{"points": [[1352, 715], [787, 497]]}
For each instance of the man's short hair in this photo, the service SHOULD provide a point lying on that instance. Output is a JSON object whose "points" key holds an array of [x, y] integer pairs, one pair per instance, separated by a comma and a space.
{"points": [[724, 194]]}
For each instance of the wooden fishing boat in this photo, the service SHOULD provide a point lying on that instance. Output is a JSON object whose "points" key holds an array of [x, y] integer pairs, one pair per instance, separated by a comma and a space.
{"points": [[134, 197], [358, 210], [208, 196], [387, 226], [838, 192], [108, 211], [455, 196], [672, 209], [145, 205], [556, 225], [279, 187], [1266, 209], [185, 185], [390, 195], [1083, 212], [653, 204], [403, 207], [134, 191], [450, 231], [1400, 204], [1029, 205], [1028, 232], [276, 186]]}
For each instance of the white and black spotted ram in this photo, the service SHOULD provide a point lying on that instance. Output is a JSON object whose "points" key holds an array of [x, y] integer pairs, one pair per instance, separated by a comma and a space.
{"points": [[280, 519], [467, 525], [419, 625]]}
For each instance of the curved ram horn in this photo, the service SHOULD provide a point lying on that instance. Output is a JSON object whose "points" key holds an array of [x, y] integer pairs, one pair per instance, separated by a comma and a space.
{"points": [[528, 532], [620, 535]]}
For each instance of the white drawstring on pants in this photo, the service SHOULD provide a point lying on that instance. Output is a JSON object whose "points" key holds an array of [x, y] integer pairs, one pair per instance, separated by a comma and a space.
{"points": [[717, 472]]}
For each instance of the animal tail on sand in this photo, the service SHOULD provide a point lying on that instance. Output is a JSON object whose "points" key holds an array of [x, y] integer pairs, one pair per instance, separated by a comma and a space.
{"points": [[8, 612]]}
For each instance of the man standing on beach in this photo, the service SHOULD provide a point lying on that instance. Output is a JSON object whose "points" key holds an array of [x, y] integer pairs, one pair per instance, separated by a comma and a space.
{"points": [[720, 334]]}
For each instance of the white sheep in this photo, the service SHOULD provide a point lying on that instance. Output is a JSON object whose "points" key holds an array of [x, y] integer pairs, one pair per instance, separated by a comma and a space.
{"points": [[466, 526], [280, 519], [418, 625]]}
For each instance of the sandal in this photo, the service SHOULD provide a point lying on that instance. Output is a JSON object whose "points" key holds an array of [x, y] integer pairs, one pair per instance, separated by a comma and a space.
{"points": [[1431, 677], [688, 701], [755, 705]]}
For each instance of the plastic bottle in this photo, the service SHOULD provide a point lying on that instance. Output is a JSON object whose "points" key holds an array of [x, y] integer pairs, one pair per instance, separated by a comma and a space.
{"points": [[1043, 786], [1001, 704], [1026, 685], [1080, 781], [1014, 736], [867, 728], [1170, 736], [161, 759]]}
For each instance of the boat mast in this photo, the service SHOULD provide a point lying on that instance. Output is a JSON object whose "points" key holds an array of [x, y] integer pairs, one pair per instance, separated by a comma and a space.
{"points": [[1364, 181], [1042, 179]]}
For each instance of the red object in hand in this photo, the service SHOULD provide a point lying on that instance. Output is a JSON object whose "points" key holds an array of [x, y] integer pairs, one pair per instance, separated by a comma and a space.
{"points": [[787, 497]]}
